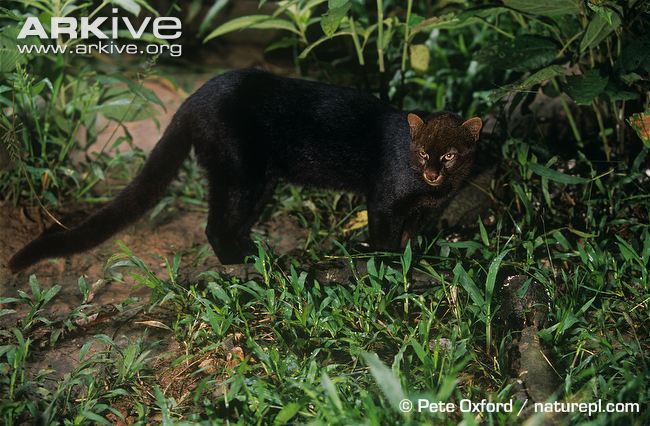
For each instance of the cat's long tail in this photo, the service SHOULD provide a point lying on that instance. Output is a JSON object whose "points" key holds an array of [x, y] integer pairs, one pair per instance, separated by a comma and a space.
{"points": [[140, 195]]}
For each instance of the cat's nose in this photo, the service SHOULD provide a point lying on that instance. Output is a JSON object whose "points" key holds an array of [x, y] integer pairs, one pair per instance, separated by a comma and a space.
{"points": [[432, 177]]}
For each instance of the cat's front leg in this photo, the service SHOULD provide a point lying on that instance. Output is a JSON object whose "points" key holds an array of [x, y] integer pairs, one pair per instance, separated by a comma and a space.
{"points": [[385, 226], [414, 223]]}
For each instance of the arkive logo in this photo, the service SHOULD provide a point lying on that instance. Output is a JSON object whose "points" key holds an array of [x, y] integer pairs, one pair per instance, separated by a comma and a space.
{"points": [[165, 28]]}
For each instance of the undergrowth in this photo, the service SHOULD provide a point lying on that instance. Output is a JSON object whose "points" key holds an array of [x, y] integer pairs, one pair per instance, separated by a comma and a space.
{"points": [[285, 343], [285, 346]]}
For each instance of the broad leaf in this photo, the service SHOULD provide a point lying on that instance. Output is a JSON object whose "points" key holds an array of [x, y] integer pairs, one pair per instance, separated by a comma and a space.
{"points": [[332, 19], [599, 28], [525, 53], [539, 77], [420, 57], [334, 4], [446, 22], [617, 92], [584, 88], [635, 55], [546, 7], [9, 59]]}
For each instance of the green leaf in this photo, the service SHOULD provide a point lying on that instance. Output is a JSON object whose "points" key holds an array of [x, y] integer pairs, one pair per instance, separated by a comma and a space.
{"points": [[419, 57], [125, 109], [287, 413], [406, 258], [34, 287], [415, 19], [96, 418], [581, 234], [484, 235], [635, 55], [283, 43], [617, 92], [554, 175], [128, 5], [546, 7], [332, 19], [492, 275], [537, 78], [51, 293], [252, 22], [212, 12], [446, 22], [468, 284], [385, 379], [525, 53], [84, 349], [136, 88], [628, 251], [584, 88], [604, 11], [599, 28], [321, 40], [4, 312], [9, 58], [148, 37], [334, 4], [329, 387]]}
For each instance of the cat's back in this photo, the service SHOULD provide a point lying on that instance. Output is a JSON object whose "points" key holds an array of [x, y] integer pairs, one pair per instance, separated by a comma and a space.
{"points": [[308, 130], [258, 92]]}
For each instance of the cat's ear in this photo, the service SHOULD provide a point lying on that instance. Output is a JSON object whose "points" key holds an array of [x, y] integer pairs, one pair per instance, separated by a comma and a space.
{"points": [[473, 125], [414, 122]]}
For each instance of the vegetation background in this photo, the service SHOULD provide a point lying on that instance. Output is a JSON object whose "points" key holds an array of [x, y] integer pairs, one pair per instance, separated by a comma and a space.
{"points": [[532, 287]]}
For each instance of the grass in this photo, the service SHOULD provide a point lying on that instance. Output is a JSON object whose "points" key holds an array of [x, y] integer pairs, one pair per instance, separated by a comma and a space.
{"points": [[286, 346]]}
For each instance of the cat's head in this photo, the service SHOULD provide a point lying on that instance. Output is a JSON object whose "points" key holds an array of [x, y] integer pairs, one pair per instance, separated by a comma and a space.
{"points": [[443, 147]]}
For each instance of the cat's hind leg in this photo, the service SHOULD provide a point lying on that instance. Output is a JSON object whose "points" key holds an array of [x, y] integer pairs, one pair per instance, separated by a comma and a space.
{"points": [[235, 204]]}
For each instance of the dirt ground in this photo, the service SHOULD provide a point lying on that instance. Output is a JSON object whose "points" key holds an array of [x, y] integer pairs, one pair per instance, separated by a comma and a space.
{"points": [[184, 233]]}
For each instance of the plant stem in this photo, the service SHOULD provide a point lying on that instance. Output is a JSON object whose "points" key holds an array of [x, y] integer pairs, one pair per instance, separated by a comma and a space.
{"points": [[569, 114], [355, 40], [407, 33], [601, 128], [380, 36]]}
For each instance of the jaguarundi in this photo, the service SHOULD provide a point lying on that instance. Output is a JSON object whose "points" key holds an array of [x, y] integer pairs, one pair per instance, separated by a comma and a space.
{"points": [[250, 128]]}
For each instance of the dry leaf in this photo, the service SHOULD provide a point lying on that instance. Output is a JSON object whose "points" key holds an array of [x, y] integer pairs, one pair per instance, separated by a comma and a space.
{"points": [[641, 124], [359, 221], [156, 324]]}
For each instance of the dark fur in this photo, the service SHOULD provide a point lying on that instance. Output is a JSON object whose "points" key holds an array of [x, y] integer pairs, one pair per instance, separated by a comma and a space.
{"points": [[250, 128]]}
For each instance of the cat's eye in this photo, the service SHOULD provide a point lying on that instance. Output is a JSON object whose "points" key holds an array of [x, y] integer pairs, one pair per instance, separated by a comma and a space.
{"points": [[424, 155], [449, 156]]}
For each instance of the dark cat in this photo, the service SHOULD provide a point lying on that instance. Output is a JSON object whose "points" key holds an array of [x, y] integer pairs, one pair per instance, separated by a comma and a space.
{"points": [[250, 128]]}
